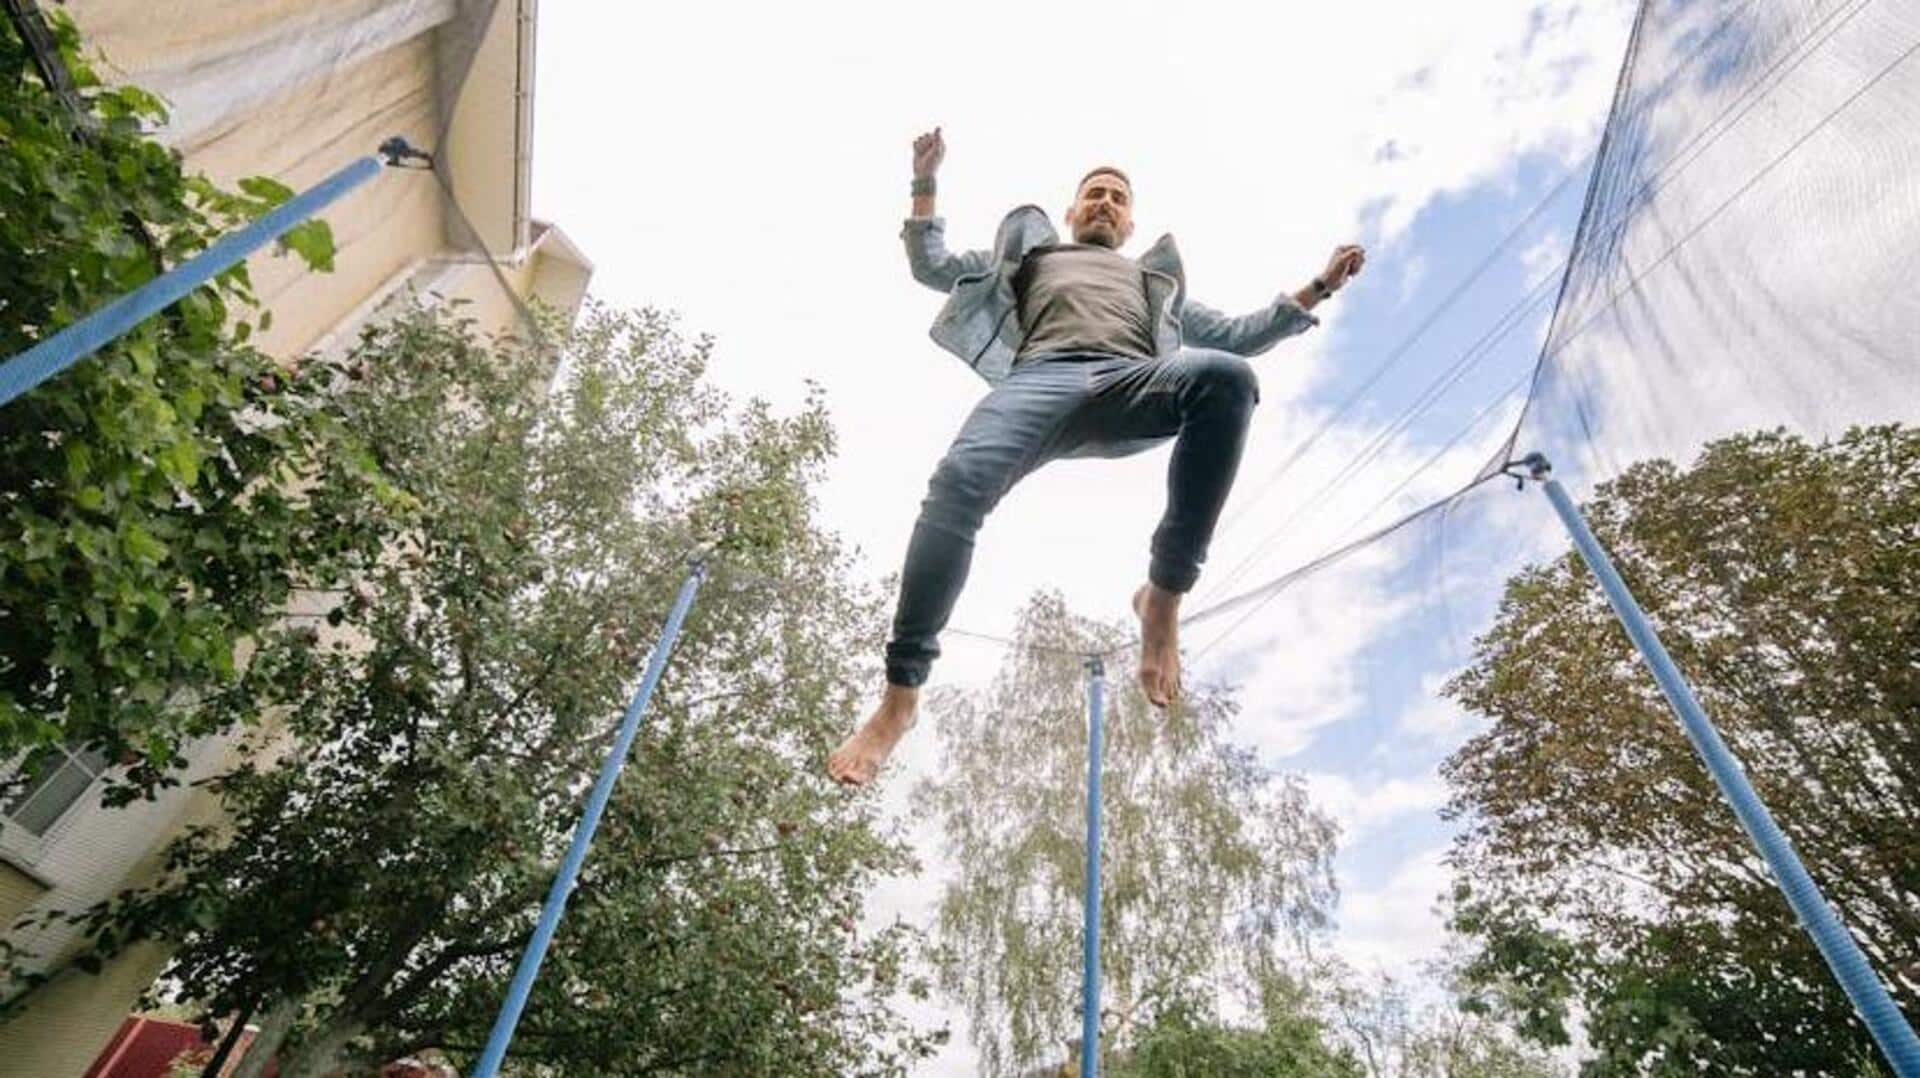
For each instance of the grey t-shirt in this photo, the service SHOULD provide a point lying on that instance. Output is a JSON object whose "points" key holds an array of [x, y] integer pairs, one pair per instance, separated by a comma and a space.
{"points": [[1077, 297]]}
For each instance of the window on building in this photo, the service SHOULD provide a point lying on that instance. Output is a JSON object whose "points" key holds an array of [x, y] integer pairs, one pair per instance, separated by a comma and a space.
{"points": [[47, 785]]}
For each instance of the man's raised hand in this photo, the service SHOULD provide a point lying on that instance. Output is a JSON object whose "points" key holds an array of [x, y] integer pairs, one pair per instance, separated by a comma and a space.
{"points": [[928, 151], [1343, 265]]}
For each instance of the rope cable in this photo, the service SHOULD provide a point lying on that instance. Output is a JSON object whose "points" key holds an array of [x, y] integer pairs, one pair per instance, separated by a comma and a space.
{"points": [[1342, 547], [1400, 350], [1430, 395], [1556, 346], [1675, 166], [1472, 424], [1273, 587]]}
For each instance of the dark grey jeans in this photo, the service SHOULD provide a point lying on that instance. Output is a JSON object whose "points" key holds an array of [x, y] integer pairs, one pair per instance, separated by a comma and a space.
{"points": [[1080, 405]]}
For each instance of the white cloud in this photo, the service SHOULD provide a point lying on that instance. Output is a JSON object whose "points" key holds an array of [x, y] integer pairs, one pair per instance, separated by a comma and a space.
{"points": [[1484, 87], [1293, 660], [1397, 925], [1435, 718], [1413, 273], [1361, 805], [1546, 254]]}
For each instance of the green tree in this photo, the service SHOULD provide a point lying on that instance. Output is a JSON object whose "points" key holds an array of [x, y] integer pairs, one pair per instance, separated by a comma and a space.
{"points": [[389, 847], [1599, 865], [150, 522], [1212, 861], [1453, 1032], [1289, 1041]]}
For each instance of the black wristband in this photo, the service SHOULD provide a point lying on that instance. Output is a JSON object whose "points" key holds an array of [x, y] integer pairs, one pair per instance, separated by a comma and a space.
{"points": [[1320, 288], [922, 186]]}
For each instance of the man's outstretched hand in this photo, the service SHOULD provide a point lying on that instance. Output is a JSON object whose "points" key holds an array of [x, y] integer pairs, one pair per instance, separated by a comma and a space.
{"points": [[1343, 265], [928, 151]]}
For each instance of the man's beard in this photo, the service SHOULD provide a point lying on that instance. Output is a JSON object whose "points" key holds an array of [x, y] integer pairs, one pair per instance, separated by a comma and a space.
{"points": [[1097, 234]]}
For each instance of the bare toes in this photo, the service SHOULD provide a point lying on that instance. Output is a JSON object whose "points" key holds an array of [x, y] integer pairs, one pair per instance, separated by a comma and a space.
{"points": [[1150, 685], [845, 768]]}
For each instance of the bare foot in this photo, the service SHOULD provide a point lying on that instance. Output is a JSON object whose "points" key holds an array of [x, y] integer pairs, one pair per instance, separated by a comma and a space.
{"points": [[858, 759], [1159, 611]]}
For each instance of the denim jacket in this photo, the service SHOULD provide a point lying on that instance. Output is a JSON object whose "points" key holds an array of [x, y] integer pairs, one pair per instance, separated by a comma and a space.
{"points": [[978, 323]]}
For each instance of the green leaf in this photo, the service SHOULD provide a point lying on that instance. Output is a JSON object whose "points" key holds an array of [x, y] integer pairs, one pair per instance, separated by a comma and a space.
{"points": [[191, 401], [270, 191], [181, 462], [143, 103], [145, 356], [79, 458], [140, 545], [313, 242]]}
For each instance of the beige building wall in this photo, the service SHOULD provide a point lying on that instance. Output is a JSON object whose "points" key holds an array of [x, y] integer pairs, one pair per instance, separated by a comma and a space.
{"points": [[294, 90], [550, 270], [18, 892]]}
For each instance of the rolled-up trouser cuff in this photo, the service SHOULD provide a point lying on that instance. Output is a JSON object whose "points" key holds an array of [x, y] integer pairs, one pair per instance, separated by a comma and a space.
{"points": [[909, 675], [1176, 577]]}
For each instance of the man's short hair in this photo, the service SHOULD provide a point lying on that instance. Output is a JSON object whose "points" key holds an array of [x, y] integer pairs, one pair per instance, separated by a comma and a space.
{"points": [[1103, 170]]}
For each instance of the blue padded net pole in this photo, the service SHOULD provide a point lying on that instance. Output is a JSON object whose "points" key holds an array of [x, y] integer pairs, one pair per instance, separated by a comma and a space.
{"points": [[1890, 1030], [530, 959], [1090, 937], [81, 339]]}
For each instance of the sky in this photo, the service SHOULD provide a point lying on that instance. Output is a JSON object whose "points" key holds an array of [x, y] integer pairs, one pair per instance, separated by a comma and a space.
{"points": [[747, 166]]}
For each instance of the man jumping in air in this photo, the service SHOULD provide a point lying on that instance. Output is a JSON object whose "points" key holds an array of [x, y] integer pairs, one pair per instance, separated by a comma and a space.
{"points": [[1090, 354]]}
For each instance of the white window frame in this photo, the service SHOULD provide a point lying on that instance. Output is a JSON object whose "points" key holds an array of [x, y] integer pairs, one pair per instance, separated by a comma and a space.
{"points": [[21, 842]]}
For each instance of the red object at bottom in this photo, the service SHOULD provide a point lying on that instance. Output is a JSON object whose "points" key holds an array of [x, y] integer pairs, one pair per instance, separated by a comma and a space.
{"points": [[147, 1047]]}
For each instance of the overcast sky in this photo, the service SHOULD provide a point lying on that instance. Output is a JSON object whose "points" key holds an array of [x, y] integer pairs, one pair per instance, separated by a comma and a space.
{"points": [[747, 165]]}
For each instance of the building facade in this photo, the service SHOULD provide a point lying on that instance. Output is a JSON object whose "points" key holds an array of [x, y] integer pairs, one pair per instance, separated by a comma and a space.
{"points": [[293, 90]]}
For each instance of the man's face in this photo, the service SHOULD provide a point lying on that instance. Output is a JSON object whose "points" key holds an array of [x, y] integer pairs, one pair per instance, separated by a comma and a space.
{"points": [[1102, 213]]}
